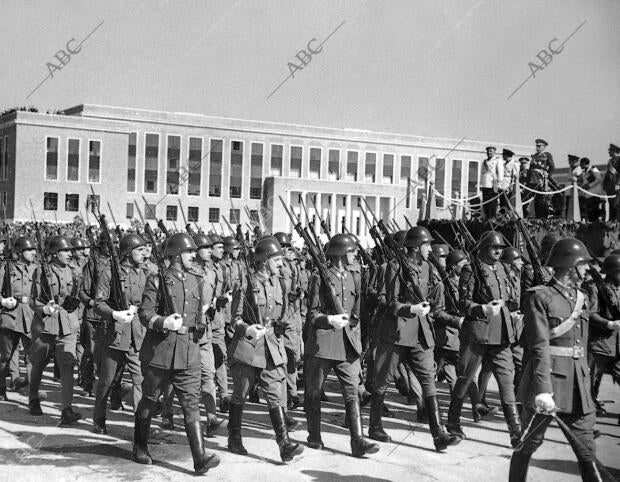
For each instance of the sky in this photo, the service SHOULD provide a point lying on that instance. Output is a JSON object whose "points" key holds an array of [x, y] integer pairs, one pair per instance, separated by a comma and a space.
{"points": [[448, 69]]}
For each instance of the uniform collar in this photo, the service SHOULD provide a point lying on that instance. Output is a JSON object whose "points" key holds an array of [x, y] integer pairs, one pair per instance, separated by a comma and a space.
{"points": [[179, 274]]}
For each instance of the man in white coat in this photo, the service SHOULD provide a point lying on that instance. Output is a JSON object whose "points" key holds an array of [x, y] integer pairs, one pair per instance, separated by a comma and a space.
{"points": [[491, 178]]}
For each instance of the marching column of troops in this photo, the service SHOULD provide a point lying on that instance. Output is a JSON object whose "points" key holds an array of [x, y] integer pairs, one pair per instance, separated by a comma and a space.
{"points": [[183, 315]]}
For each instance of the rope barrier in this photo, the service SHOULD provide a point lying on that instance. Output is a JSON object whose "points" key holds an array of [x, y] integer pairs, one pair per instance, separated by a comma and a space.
{"points": [[594, 195], [545, 193]]}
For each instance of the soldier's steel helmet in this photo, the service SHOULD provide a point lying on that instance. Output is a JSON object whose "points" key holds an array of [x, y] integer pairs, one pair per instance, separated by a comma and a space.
{"points": [[230, 243], [340, 244], [417, 236], [283, 238], [179, 242], [24, 243], [216, 239], [611, 264], [547, 243], [440, 250], [58, 243], [203, 240], [266, 248], [129, 243], [491, 238], [509, 254], [454, 257], [78, 243], [568, 253]]}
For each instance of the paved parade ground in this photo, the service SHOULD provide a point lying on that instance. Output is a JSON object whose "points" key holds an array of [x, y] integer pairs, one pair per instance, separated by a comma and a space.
{"points": [[36, 449]]}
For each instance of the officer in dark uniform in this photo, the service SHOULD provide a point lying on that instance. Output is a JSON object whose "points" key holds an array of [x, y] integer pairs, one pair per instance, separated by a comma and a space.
{"points": [[16, 315], [76, 263], [488, 300], [406, 333], [171, 348], [124, 333], [257, 348], [334, 342], [555, 370], [55, 326], [541, 168], [604, 339]]}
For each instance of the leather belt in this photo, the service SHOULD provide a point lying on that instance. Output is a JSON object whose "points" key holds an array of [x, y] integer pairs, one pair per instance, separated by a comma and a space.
{"points": [[23, 300], [568, 351]]}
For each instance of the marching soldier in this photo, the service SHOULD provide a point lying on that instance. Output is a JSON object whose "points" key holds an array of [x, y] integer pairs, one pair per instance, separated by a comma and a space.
{"points": [[76, 263], [171, 349], [335, 342], [124, 333], [555, 371], [55, 327], [487, 332], [16, 315], [406, 334], [257, 348]]}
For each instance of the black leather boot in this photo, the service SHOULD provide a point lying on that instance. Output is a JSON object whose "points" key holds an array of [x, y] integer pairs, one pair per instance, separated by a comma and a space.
{"points": [[3, 397], [213, 422], [68, 416], [99, 426], [167, 422], [454, 418], [421, 414], [441, 438], [235, 444], [511, 414], [291, 423], [34, 407], [359, 445], [203, 461], [375, 429], [288, 449], [519, 463], [142, 427], [313, 418]]}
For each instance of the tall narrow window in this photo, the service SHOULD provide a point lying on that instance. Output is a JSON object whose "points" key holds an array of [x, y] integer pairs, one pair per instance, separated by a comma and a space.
{"points": [[2, 158], [50, 201], [457, 174], [131, 162], [423, 178], [236, 168], [315, 163], [215, 169], [94, 161], [151, 162], [192, 214], [333, 164], [93, 200], [150, 211], [440, 180], [352, 166], [405, 169], [194, 166], [73, 160], [256, 171], [388, 168], [296, 153], [276, 160], [5, 150], [370, 171], [472, 180], [214, 215], [171, 213], [234, 216], [172, 164], [51, 159], [72, 202], [129, 210]]}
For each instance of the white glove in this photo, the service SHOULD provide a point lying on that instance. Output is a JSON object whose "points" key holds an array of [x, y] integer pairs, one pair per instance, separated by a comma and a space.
{"points": [[338, 321], [493, 308], [255, 332], [9, 303], [421, 309], [611, 325], [125, 316], [173, 322], [50, 308], [544, 402]]}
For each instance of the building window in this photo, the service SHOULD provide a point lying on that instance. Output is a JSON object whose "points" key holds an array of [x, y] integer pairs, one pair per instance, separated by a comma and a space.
{"points": [[131, 162], [194, 164], [5, 202], [94, 161], [150, 211], [405, 169], [352, 166], [296, 155], [457, 173], [192, 214], [173, 156], [276, 160], [129, 210], [73, 160], [236, 168], [214, 215], [440, 180], [370, 171], [333, 164], [72, 202], [5, 172], [50, 201], [254, 217], [315, 163], [256, 171], [234, 216], [171, 213], [472, 179], [423, 177], [151, 162], [51, 159], [92, 200], [388, 168], [215, 169], [2, 158]]}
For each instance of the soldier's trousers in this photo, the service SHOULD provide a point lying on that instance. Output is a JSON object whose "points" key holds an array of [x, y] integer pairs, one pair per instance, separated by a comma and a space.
{"points": [[291, 373], [88, 361], [63, 348], [9, 341], [420, 360], [207, 376], [472, 355], [581, 425], [485, 373], [270, 379], [316, 371], [602, 364], [186, 385], [447, 361], [221, 370], [113, 363]]}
